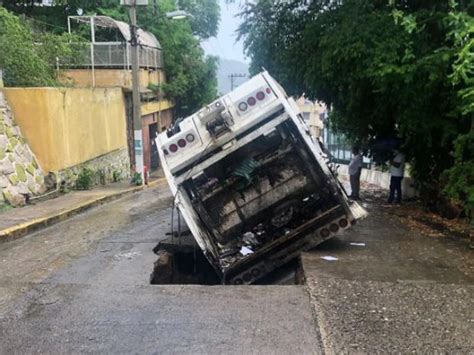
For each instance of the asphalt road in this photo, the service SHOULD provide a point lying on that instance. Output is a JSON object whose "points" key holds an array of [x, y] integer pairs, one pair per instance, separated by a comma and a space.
{"points": [[83, 286]]}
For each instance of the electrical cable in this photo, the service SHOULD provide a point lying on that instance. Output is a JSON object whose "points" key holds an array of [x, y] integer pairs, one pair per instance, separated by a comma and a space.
{"points": [[45, 23]]}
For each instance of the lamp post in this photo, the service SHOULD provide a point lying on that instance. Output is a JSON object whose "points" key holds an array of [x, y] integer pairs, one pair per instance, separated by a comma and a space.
{"points": [[136, 102]]}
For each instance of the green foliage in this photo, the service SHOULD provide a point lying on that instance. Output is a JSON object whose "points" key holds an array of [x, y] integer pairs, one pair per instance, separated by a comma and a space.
{"points": [[116, 176], [28, 58], [63, 47], [85, 179], [460, 177], [191, 76], [389, 70], [136, 179], [206, 15], [20, 60]]}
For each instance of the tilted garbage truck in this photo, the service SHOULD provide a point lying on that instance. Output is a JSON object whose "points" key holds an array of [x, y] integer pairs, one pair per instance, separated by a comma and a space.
{"points": [[251, 183]]}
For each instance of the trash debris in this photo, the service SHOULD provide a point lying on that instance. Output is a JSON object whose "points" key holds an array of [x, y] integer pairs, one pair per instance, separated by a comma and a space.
{"points": [[245, 251], [357, 244], [329, 258]]}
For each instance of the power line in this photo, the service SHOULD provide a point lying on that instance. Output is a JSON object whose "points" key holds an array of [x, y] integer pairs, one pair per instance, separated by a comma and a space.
{"points": [[234, 76], [44, 23]]}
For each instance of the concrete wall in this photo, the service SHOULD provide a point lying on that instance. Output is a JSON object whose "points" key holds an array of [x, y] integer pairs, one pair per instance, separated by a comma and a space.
{"points": [[382, 179], [68, 126], [109, 77], [151, 107]]}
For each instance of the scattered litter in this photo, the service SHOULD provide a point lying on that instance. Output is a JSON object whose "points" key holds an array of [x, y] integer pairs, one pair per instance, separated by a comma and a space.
{"points": [[358, 244], [329, 258], [245, 251]]}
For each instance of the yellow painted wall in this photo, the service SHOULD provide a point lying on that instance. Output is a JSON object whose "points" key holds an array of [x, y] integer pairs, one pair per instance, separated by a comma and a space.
{"points": [[155, 106], [109, 77], [68, 126]]}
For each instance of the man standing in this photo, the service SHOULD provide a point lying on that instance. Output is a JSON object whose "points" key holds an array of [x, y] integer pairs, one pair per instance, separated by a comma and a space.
{"points": [[397, 168], [355, 168]]}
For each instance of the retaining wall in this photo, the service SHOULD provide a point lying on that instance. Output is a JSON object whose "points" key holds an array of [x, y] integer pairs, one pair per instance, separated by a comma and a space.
{"points": [[382, 179], [66, 127], [20, 174]]}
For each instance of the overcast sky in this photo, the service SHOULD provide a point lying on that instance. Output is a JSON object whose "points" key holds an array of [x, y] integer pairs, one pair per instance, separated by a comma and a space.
{"points": [[224, 44]]}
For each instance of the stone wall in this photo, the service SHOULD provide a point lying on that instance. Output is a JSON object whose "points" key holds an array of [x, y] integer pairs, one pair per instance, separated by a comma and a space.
{"points": [[107, 168], [20, 174]]}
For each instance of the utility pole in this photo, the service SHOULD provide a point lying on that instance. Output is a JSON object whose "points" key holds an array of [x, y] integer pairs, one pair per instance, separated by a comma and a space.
{"points": [[233, 77], [136, 102]]}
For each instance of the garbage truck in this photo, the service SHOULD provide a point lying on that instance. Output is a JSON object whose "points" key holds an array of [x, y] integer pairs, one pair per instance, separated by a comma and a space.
{"points": [[251, 183]]}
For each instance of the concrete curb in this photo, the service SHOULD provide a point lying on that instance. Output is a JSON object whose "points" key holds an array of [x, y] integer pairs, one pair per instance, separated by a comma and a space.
{"points": [[34, 225]]}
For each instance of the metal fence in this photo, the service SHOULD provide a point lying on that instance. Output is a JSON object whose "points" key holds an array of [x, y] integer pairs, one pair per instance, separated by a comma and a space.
{"points": [[340, 148], [113, 55]]}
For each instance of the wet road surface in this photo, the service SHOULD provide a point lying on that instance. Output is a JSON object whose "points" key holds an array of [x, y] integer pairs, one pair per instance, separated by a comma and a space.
{"points": [[83, 286], [393, 291]]}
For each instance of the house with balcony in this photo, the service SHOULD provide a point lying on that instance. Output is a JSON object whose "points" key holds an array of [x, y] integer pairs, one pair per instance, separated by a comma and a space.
{"points": [[105, 61]]}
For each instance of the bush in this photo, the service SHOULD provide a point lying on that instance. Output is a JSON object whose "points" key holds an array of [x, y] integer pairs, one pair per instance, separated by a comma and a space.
{"points": [[137, 179], [459, 180], [85, 179], [28, 58], [116, 176]]}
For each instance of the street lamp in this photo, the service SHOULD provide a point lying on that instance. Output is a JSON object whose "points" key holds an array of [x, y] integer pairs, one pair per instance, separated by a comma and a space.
{"points": [[136, 104], [178, 15]]}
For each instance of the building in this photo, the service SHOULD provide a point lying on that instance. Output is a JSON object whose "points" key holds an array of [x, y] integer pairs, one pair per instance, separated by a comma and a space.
{"points": [[105, 62], [49, 135], [314, 114]]}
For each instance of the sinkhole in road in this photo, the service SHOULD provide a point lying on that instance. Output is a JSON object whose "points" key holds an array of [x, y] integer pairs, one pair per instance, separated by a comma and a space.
{"points": [[186, 265]]}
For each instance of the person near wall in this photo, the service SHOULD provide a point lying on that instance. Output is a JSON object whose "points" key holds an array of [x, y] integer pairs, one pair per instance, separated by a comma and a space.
{"points": [[397, 169], [355, 168]]}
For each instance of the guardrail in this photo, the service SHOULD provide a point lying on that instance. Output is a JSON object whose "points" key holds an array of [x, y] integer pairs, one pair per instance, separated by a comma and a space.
{"points": [[113, 55]]}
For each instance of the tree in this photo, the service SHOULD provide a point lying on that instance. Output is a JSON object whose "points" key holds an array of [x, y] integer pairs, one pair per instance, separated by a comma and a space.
{"points": [[206, 15], [385, 67], [191, 76], [28, 58]]}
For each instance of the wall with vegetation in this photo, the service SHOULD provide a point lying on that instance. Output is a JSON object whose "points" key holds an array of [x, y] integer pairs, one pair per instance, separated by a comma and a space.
{"points": [[69, 126]]}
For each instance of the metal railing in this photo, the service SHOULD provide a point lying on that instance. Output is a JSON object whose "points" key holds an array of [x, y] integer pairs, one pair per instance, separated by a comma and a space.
{"points": [[113, 55], [340, 148]]}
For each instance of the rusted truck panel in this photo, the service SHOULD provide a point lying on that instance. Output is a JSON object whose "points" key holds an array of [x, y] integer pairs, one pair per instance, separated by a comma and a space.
{"points": [[251, 183]]}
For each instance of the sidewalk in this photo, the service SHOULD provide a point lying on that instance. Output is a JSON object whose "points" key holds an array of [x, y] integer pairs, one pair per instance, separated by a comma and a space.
{"points": [[17, 222], [394, 291]]}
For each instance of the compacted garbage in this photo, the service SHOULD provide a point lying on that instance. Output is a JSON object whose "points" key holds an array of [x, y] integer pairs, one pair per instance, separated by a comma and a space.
{"points": [[251, 183]]}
